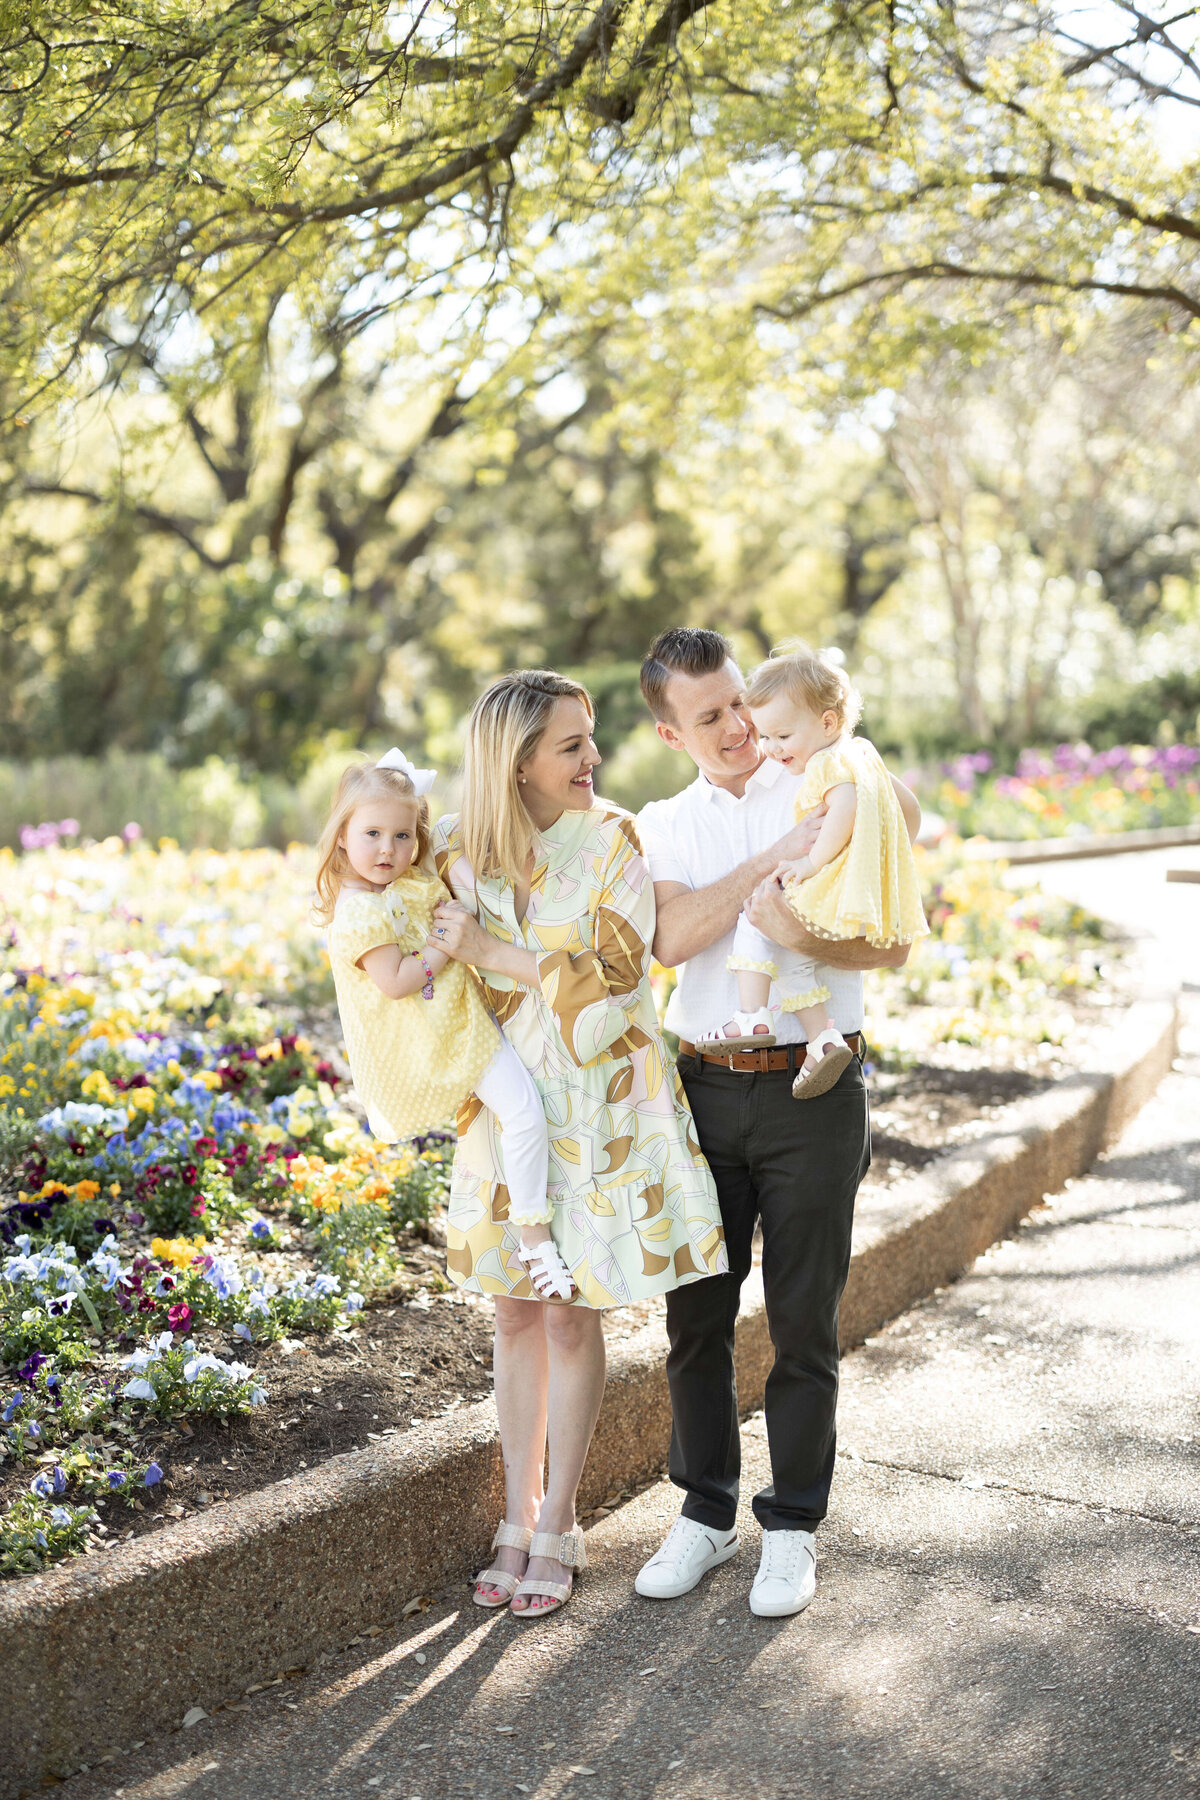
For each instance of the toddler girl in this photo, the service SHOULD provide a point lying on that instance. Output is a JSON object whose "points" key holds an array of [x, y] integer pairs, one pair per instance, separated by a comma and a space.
{"points": [[858, 880], [418, 1036]]}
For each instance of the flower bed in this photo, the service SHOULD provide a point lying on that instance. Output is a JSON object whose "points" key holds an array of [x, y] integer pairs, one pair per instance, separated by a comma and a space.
{"points": [[179, 1178], [192, 1218], [1069, 790]]}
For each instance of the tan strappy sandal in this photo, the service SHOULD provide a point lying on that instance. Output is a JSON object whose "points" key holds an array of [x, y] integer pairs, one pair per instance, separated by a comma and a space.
{"points": [[565, 1547], [514, 1537]]}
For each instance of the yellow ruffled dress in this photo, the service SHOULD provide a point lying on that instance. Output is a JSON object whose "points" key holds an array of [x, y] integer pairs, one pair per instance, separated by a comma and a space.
{"points": [[414, 1061], [871, 889]]}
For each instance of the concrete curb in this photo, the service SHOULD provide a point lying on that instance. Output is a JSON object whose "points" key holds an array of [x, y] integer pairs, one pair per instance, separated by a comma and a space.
{"points": [[106, 1650], [1115, 843]]}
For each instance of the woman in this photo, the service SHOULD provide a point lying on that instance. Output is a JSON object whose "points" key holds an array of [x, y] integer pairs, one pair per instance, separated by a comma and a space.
{"points": [[555, 908]]}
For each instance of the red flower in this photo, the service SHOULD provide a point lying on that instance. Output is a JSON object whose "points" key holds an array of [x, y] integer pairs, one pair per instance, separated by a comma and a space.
{"points": [[179, 1317], [189, 1174], [197, 1207]]}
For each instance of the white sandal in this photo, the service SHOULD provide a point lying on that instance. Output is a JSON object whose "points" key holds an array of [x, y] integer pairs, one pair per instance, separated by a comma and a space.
{"points": [[565, 1547], [831, 1054], [745, 1037], [549, 1275], [516, 1537]]}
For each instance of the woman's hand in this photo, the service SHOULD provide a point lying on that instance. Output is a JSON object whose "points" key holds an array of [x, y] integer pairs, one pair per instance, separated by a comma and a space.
{"points": [[458, 934]]}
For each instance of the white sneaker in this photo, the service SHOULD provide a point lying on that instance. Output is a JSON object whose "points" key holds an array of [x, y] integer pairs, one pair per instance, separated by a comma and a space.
{"points": [[689, 1551], [787, 1575]]}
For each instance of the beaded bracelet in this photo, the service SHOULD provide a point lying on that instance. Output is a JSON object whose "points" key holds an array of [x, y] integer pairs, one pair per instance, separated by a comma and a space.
{"points": [[427, 990]]}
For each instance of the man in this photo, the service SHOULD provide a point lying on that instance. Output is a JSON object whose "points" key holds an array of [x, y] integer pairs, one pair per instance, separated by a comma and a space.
{"points": [[711, 851]]}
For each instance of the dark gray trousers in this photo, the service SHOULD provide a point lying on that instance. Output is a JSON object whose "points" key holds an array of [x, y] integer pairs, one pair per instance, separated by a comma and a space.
{"points": [[796, 1165]]}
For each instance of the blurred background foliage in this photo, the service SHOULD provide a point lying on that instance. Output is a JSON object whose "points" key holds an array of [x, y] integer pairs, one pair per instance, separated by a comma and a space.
{"points": [[424, 342]]}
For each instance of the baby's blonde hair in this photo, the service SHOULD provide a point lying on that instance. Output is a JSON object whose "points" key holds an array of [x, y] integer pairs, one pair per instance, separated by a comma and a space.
{"points": [[505, 727], [359, 783], [796, 670]]}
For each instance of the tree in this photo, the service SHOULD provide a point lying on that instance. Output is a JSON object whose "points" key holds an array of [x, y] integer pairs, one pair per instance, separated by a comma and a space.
{"points": [[1050, 485], [909, 167], [161, 163]]}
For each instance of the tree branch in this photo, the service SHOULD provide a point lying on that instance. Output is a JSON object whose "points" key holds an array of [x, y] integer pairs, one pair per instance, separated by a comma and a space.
{"points": [[947, 271]]}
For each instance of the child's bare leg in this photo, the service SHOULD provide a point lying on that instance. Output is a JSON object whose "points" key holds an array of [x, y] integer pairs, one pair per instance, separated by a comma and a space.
{"points": [[754, 990], [815, 1020]]}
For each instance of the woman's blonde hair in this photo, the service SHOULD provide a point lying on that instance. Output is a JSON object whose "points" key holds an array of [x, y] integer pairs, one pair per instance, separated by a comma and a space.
{"points": [[504, 729], [797, 671], [359, 783]]}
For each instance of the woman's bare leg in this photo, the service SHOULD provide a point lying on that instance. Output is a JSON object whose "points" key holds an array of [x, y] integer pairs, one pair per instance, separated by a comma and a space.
{"points": [[520, 1365], [574, 1338]]}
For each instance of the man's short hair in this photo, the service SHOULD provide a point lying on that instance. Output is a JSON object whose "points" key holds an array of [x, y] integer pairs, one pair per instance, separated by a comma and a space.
{"points": [[684, 650]]}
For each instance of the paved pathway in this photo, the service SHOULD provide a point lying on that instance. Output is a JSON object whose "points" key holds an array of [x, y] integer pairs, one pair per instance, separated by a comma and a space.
{"points": [[1009, 1598]]}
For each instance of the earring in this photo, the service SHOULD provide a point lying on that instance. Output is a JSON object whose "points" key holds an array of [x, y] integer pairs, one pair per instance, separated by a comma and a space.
{"points": [[521, 779]]}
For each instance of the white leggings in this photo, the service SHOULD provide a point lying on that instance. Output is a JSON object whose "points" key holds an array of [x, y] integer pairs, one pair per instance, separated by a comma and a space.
{"points": [[506, 1089]]}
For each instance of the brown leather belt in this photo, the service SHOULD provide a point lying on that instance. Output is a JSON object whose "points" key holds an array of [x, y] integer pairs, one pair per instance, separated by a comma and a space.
{"points": [[761, 1062]]}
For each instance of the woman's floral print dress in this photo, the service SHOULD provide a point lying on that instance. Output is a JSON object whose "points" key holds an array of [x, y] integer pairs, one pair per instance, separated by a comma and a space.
{"points": [[635, 1209]]}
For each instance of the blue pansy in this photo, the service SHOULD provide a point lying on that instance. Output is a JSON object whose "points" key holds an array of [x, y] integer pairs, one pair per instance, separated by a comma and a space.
{"points": [[153, 1476]]}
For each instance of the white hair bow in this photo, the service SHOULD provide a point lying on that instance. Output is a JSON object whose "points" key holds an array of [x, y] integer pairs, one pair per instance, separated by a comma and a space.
{"points": [[422, 779]]}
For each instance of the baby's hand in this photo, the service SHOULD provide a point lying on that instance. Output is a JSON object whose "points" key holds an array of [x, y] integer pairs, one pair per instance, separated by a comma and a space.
{"points": [[795, 869]]}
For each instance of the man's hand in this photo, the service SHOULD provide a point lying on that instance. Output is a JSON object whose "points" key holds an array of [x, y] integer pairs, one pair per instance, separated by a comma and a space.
{"points": [[801, 838], [769, 911]]}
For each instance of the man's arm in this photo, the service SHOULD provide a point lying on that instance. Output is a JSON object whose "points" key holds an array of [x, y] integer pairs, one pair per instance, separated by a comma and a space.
{"points": [[770, 912], [690, 919]]}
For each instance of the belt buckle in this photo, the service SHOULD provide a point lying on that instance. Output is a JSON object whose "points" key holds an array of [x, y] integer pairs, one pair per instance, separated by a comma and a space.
{"points": [[732, 1053]]}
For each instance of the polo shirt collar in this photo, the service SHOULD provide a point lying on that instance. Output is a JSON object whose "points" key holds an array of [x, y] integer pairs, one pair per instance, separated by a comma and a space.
{"points": [[766, 775]]}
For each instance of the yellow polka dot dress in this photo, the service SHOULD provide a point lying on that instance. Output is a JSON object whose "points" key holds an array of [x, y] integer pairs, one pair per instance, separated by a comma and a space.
{"points": [[414, 1061], [871, 889]]}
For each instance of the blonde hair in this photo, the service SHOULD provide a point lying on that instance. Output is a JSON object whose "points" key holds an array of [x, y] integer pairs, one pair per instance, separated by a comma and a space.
{"points": [[359, 783], [506, 725], [797, 671]]}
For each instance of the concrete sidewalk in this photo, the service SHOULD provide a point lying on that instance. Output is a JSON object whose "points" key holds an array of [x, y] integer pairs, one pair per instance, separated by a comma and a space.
{"points": [[1009, 1595]]}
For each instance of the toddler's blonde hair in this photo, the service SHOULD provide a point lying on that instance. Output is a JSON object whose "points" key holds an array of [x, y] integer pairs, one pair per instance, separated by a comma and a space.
{"points": [[359, 783], [505, 726], [795, 669]]}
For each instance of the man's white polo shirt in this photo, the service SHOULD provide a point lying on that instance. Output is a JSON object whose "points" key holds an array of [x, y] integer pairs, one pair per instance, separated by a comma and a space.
{"points": [[699, 836]]}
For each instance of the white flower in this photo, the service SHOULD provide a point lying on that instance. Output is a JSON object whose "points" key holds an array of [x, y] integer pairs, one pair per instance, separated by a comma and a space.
{"points": [[138, 1389]]}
